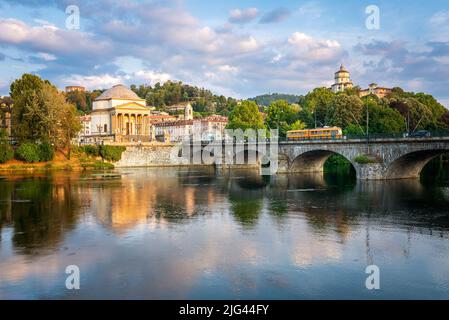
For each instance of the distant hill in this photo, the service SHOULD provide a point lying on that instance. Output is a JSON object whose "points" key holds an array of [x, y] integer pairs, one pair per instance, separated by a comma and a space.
{"points": [[266, 99]]}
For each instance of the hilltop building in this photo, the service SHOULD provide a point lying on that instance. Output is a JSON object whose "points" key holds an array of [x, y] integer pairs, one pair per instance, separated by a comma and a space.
{"points": [[380, 92], [342, 80]]}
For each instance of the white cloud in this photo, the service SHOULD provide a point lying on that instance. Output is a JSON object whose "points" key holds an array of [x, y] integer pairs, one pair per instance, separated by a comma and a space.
{"points": [[228, 68], [104, 81], [46, 56], [150, 77], [243, 15], [48, 38], [308, 48], [440, 18], [94, 82]]}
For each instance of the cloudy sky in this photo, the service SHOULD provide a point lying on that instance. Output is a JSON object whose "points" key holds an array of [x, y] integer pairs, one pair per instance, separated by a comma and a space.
{"points": [[238, 48]]}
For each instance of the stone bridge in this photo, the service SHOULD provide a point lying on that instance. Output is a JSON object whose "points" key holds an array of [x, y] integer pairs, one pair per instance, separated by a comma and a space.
{"points": [[392, 158], [397, 158]]}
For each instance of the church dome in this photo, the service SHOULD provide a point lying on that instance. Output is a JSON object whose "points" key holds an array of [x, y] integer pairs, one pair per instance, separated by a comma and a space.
{"points": [[342, 70], [118, 92]]}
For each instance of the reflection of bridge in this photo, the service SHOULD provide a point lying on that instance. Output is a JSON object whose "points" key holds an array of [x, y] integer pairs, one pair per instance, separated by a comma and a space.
{"points": [[390, 158]]}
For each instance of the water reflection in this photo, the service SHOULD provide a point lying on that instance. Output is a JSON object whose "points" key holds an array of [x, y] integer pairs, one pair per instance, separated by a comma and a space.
{"points": [[202, 234]]}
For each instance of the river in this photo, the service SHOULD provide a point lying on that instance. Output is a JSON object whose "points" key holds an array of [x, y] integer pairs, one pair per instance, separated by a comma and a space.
{"points": [[198, 234]]}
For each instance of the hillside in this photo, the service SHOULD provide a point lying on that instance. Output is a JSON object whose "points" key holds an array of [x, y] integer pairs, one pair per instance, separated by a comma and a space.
{"points": [[266, 99]]}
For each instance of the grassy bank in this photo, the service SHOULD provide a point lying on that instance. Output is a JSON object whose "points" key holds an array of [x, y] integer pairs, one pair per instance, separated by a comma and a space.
{"points": [[81, 159]]}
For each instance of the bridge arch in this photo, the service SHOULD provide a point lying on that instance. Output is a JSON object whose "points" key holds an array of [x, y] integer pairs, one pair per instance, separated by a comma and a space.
{"points": [[411, 164], [313, 161]]}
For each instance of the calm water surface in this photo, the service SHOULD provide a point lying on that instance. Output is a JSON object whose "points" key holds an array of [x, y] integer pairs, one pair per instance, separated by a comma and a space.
{"points": [[178, 233]]}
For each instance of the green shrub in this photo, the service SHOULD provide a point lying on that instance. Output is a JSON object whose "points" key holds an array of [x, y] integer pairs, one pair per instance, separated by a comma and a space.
{"points": [[28, 152], [6, 152], [91, 150], [363, 159], [46, 151], [111, 153]]}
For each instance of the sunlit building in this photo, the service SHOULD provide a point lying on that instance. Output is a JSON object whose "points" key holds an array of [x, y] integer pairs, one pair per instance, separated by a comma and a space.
{"points": [[374, 89], [342, 80]]}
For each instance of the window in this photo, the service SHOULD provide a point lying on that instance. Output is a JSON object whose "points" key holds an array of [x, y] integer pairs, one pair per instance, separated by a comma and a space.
{"points": [[105, 128]]}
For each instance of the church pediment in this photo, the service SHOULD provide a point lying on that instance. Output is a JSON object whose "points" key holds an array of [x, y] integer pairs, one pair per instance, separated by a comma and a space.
{"points": [[132, 106]]}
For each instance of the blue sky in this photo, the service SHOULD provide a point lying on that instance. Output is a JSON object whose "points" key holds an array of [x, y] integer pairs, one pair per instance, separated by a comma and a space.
{"points": [[235, 48]]}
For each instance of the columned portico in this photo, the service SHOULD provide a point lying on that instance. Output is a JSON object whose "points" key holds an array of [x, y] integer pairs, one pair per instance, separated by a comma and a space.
{"points": [[120, 114]]}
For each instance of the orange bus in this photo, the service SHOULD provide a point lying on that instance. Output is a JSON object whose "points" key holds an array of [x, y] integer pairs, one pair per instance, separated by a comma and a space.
{"points": [[319, 133]]}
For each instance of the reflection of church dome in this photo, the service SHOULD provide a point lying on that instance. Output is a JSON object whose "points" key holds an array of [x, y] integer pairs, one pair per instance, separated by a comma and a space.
{"points": [[118, 92]]}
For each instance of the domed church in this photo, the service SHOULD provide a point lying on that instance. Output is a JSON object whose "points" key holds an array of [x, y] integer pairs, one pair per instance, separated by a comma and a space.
{"points": [[119, 112]]}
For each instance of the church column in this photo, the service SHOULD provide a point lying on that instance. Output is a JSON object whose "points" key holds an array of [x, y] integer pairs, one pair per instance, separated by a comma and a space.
{"points": [[147, 120], [114, 123]]}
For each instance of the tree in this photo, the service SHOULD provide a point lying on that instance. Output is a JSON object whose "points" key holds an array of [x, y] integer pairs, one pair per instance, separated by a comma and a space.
{"points": [[41, 113], [382, 119], [79, 99], [297, 125], [280, 115], [246, 115], [444, 121], [418, 116], [267, 99], [318, 102], [344, 110], [6, 151], [25, 93]]}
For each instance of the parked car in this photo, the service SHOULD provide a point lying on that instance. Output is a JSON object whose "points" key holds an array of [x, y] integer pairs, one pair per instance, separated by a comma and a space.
{"points": [[419, 134]]}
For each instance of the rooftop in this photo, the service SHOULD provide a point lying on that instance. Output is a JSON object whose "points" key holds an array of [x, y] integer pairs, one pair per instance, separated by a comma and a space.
{"points": [[119, 92]]}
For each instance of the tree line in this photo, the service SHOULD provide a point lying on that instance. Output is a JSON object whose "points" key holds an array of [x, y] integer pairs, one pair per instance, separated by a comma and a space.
{"points": [[398, 112]]}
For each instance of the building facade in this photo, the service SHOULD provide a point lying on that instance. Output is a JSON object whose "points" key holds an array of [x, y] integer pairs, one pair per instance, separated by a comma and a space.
{"points": [[209, 128], [120, 114], [374, 89], [342, 80]]}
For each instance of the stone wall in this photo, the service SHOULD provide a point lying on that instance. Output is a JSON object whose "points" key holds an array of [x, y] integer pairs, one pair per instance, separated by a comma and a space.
{"points": [[146, 156]]}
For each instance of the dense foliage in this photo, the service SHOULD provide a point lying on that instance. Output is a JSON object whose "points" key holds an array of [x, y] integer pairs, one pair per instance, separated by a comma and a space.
{"points": [[6, 151], [267, 99], [171, 92], [33, 152], [106, 152], [41, 113], [28, 152], [46, 151], [83, 100], [111, 153], [398, 112], [246, 115], [283, 116]]}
